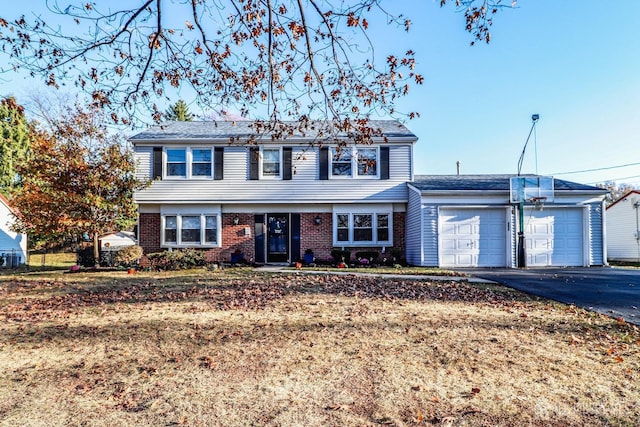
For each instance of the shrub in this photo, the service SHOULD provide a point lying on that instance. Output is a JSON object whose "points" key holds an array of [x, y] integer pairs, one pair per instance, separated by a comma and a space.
{"points": [[127, 256], [84, 257], [339, 255], [177, 260], [371, 256]]}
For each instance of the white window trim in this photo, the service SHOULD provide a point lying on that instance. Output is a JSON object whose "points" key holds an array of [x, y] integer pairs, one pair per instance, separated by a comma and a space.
{"points": [[261, 163], [354, 163], [189, 162], [359, 243], [201, 244]]}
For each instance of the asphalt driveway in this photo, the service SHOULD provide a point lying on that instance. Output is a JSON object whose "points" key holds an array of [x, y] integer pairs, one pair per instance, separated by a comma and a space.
{"points": [[612, 291]]}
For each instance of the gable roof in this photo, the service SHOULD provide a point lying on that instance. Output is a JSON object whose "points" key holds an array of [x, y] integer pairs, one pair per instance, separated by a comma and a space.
{"points": [[6, 202], [223, 131], [496, 183], [624, 197]]}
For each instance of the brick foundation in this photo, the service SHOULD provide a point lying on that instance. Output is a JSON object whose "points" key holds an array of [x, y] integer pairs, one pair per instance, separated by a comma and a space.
{"points": [[317, 237]]}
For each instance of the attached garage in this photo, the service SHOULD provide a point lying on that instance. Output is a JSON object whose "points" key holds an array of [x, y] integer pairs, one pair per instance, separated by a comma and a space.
{"points": [[554, 237], [457, 221], [473, 237]]}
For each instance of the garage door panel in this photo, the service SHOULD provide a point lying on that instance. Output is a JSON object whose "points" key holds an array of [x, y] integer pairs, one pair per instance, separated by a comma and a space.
{"points": [[553, 237], [473, 237]]}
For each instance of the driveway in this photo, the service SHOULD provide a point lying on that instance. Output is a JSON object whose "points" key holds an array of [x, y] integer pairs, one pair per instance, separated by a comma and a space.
{"points": [[611, 291]]}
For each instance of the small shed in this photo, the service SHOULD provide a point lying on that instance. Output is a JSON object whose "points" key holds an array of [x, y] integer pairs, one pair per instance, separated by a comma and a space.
{"points": [[623, 228], [117, 240], [13, 246]]}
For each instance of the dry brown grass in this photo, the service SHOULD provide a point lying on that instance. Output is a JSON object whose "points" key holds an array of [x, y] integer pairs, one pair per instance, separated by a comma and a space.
{"points": [[239, 348]]}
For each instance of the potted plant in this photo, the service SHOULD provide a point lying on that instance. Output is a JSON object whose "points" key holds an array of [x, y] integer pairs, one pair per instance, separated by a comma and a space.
{"points": [[309, 258]]}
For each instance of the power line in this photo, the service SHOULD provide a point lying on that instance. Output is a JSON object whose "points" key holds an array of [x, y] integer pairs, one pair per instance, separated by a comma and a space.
{"points": [[597, 169], [617, 179]]}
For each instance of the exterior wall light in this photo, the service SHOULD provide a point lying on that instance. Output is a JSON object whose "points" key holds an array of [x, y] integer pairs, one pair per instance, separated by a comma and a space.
{"points": [[236, 220], [318, 220]]}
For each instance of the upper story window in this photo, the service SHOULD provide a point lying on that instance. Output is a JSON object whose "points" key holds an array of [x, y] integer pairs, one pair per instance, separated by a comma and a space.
{"points": [[354, 162], [201, 162], [188, 162], [271, 161], [176, 162]]}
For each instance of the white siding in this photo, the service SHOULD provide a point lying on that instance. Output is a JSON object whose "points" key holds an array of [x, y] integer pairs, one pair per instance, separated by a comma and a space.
{"points": [[622, 221], [11, 243], [596, 238], [143, 158], [304, 187], [430, 235], [413, 229]]}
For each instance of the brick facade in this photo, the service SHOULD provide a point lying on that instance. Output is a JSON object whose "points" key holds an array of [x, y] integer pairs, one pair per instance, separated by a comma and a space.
{"points": [[241, 236], [149, 232]]}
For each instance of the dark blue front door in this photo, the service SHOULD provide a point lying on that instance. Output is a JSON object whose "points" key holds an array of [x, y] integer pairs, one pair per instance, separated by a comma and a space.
{"points": [[277, 237]]}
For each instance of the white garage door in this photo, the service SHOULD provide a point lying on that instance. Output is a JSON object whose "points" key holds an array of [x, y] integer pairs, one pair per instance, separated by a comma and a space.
{"points": [[475, 237], [554, 237]]}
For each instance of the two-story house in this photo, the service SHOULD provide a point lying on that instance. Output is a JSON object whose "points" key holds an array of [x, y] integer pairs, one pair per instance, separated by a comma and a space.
{"points": [[275, 199]]}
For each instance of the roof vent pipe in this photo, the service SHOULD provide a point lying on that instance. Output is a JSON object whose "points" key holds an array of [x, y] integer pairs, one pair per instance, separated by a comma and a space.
{"points": [[458, 166]]}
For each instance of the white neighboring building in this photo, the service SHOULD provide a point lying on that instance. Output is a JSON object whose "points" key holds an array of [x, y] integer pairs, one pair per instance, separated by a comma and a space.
{"points": [[623, 228], [13, 246], [117, 239]]}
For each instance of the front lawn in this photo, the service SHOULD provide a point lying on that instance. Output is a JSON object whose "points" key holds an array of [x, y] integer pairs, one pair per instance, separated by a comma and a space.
{"points": [[236, 348]]}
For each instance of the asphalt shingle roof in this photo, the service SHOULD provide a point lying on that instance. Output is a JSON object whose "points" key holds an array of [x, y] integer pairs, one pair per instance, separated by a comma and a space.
{"points": [[487, 183], [224, 130]]}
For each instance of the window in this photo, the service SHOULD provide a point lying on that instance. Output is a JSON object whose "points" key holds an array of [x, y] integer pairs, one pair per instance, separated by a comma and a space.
{"points": [[367, 162], [189, 162], [351, 162], [362, 229], [190, 230], [383, 227], [201, 162], [211, 229], [342, 221], [171, 229], [177, 162], [341, 161], [271, 162]]}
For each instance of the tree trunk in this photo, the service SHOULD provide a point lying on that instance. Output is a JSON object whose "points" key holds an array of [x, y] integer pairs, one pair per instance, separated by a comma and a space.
{"points": [[96, 249]]}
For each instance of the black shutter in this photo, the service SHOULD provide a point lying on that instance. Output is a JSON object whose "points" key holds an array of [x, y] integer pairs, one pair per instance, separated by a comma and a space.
{"points": [[286, 160], [218, 163], [295, 237], [157, 163], [324, 163], [254, 157], [259, 238], [384, 162]]}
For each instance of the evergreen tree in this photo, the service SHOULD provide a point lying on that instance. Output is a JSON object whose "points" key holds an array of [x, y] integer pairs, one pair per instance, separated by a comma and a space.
{"points": [[179, 112], [14, 141]]}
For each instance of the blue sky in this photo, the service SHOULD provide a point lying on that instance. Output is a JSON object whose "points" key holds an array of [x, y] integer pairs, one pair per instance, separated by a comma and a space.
{"points": [[576, 64]]}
